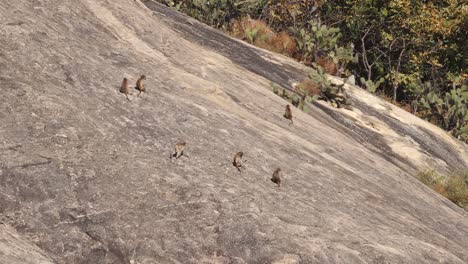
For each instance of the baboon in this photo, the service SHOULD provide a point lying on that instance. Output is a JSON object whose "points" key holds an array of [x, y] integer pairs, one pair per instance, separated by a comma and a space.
{"points": [[124, 88], [237, 161], [276, 177], [140, 84], [179, 150], [288, 114]]}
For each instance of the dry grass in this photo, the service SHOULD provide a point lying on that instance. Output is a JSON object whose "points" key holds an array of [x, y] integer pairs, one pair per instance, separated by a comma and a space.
{"points": [[258, 33], [309, 87], [250, 30], [284, 44], [454, 186], [327, 64]]}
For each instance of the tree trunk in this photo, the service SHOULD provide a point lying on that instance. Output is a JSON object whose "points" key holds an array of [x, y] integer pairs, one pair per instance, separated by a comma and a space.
{"points": [[395, 87]]}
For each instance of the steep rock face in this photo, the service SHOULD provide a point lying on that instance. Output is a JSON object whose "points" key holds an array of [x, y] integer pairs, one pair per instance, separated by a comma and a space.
{"points": [[16, 250], [85, 174]]}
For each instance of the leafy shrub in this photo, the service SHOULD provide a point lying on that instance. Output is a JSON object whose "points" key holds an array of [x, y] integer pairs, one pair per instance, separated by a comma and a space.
{"points": [[307, 91], [318, 43], [316, 39], [448, 110], [333, 94], [296, 101], [428, 177], [341, 57], [457, 190], [275, 88], [454, 186], [216, 13], [370, 85]]}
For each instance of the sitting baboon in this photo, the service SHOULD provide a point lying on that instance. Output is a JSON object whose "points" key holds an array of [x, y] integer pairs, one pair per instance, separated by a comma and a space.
{"points": [[237, 161], [140, 84], [288, 114], [276, 177], [179, 150], [124, 88]]}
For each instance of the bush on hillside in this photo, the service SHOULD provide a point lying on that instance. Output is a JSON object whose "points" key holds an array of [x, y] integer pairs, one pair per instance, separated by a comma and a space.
{"points": [[332, 93], [258, 33], [448, 110], [327, 64], [309, 87], [454, 186]]}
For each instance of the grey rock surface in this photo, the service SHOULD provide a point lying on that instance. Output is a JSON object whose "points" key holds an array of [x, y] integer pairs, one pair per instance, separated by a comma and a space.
{"points": [[85, 174], [16, 250]]}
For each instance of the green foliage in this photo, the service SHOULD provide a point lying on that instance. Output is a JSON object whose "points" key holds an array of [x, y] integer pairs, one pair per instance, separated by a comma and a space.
{"points": [[296, 100], [300, 97], [457, 190], [316, 38], [309, 92], [342, 56], [320, 77], [370, 85], [216, 13], [319, 40], [429, 177], [454, 186], [334, 94], [252, 34], [449, 110], [285, 95], [275, 88], [172, 4]]}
